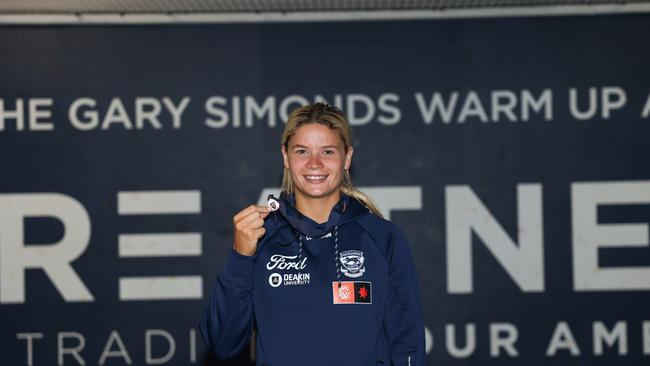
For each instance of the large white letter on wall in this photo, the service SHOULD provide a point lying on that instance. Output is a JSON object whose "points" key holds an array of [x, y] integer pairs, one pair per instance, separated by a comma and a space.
{"points": [[522, 260], [54, 259], [589, 235]]}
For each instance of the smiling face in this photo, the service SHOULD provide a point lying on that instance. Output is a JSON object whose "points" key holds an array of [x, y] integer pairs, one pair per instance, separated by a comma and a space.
{"points": [[316, 159]]}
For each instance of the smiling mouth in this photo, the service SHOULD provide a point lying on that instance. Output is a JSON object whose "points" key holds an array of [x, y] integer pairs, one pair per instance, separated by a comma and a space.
{"points": [[315, 178]]}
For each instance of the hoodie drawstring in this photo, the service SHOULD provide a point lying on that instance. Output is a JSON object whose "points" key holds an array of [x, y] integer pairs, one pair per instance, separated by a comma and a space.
{"points": [[299, 247], [337, 263], [336, 254]]}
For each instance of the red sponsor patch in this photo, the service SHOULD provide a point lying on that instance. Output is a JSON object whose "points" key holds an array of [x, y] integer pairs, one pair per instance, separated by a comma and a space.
{"points": [[352, 292]]}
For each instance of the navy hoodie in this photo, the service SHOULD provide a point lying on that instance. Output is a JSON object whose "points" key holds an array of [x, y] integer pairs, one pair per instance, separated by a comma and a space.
{"points": [[344, 292]]}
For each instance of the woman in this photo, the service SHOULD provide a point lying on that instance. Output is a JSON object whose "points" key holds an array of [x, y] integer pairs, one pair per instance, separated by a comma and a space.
{"points": [[325, 279]]}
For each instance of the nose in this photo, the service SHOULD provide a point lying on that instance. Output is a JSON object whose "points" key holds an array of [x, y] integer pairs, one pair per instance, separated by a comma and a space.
{"points": [[314, 162]]}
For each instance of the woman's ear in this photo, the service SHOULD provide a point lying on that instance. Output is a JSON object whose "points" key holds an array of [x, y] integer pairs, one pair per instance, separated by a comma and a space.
{"points": [[348, 158], [285, 158]]}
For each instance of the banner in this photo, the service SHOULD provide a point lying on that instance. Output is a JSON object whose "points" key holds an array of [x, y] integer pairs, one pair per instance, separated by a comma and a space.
{"points": [[512, 152]]}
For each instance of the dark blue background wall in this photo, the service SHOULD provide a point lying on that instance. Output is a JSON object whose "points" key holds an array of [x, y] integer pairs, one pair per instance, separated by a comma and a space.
{"points": [[386, 66]]}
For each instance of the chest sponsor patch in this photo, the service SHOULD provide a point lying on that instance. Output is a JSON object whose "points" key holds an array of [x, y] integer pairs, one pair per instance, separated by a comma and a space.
{"points": [[289, 279], [352, 292], [353, 263], [286, 262]]}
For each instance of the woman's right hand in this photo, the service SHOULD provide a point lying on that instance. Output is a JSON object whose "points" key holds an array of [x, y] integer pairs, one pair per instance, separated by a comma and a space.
{"points": [[249, 227]]}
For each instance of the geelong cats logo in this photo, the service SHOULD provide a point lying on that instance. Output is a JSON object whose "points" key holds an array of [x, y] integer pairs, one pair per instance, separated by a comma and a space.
{"points": [[353, 263]]}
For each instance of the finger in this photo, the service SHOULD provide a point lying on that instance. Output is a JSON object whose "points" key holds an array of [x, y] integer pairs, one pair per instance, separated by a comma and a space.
{"points": [[253, 225], [257, 223], [259, 232], [263, 209], [262, 212], [250, 209], [250, 218], [245, 212]]}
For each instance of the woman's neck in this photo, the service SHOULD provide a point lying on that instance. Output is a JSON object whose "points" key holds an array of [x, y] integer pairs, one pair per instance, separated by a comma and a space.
{"points": [[317, 209]]}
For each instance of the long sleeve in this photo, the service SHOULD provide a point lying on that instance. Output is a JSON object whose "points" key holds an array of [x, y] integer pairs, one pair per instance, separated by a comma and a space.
{"points": [[227, 322], [403, 317]]}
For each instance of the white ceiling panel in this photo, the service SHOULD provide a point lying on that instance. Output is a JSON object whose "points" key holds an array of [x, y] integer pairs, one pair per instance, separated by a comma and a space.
{"points": [[261, 6]]}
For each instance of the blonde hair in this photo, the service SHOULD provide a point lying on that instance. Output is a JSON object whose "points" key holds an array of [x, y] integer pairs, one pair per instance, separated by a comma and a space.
{"points": [[335, 119]]}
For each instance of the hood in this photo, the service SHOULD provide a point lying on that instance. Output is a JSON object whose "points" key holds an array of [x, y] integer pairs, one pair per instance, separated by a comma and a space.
{"points": [[346, 210]]}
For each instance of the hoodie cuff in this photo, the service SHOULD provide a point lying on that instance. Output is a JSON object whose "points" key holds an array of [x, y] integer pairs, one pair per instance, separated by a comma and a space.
{"points": [[239, 269]]}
